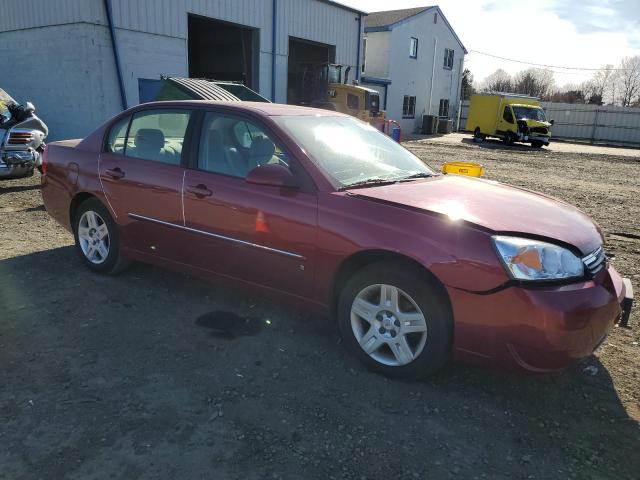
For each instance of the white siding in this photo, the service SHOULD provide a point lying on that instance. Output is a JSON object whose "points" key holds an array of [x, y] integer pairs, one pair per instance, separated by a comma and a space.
{"points": [[413, 77], [378, 54]]}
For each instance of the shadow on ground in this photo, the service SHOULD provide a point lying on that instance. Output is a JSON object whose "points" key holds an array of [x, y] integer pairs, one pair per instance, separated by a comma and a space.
{"points": [[117, 376]]}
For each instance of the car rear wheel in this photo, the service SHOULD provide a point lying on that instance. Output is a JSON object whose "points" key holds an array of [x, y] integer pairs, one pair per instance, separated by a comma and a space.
{"points": [[478, 136], [395, 321], [97, 239], [537, 144]]}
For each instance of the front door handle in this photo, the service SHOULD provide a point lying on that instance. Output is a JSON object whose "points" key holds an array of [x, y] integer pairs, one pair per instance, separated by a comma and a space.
{"points": [[114, 173], [199, 190]]}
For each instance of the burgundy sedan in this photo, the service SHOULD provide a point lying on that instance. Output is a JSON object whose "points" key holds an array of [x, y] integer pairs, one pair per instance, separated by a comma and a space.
{"points": [[321, 209]]}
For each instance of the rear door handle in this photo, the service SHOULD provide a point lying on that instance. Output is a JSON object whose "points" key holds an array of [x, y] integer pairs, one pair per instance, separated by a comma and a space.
{"points": [[199, 190], [114, 173]]}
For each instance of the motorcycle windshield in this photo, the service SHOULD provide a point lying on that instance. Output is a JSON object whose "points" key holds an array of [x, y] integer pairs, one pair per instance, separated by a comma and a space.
{"points": [[5, 101]]}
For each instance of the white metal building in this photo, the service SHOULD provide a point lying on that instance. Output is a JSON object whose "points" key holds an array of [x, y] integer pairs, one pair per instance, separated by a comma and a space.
{"points": [[81, 61], [415, 60]]}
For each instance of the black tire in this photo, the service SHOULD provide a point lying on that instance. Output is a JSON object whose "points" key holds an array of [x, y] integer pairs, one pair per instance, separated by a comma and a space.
{"points": [[113, 262], [478, 136], [508, 138], [429, 297], [537, 144]]}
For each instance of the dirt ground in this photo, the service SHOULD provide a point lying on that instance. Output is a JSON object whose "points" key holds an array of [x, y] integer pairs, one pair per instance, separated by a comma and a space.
{"points": [[141, 376]]}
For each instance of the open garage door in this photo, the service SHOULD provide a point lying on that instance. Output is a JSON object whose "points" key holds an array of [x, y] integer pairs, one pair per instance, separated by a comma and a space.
{"points": [[303, 52], [222, 51]]}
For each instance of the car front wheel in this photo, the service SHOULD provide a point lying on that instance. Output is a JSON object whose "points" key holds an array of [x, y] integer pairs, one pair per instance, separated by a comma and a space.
{"points": [[395, 320], [97, 239]]}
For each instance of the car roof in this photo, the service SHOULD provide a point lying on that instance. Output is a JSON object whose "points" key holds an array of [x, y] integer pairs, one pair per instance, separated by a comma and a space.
{"points": [[268, 109]]}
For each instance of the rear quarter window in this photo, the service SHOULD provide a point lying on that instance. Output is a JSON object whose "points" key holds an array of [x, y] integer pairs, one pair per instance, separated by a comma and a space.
{"points": [[117, 137]]}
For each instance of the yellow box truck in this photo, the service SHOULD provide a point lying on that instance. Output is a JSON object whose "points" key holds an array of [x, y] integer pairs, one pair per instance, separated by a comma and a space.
{"points": [[510, 117]]}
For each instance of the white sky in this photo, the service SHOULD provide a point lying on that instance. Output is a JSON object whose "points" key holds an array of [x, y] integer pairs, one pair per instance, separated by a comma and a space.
{"points": [[551, 32]]}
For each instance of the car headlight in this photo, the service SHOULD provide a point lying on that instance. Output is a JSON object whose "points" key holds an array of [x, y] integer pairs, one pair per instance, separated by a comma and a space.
{"points": [[527, 259]]}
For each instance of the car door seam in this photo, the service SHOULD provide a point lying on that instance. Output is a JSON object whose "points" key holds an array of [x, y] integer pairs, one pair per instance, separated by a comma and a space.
{"points": [[215, 235], [184, 219], [104, 192]]}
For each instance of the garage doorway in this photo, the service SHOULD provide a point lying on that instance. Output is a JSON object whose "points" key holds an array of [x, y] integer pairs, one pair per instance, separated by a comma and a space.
{"points": [[304, 52], [223, 51]]}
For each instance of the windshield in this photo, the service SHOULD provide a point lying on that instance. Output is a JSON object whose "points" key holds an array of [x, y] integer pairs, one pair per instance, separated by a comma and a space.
{"points": [[5, 101], [352, 152], [529, 113]]}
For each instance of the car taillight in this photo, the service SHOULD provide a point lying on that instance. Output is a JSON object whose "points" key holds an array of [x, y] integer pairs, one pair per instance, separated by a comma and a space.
{"points": [[19, 138], [45, 159]]}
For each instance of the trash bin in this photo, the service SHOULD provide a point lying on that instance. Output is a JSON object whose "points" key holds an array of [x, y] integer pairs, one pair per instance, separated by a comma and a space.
{"points": [[445, 125], [395, 133], [429, 124]]}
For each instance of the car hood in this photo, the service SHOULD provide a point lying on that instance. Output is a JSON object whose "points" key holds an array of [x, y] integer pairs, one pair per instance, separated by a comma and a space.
{"points": [[492, 205]]}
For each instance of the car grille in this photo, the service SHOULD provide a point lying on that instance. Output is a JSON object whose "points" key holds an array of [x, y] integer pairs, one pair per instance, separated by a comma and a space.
{"points": [[595, 261], [541, 130]]}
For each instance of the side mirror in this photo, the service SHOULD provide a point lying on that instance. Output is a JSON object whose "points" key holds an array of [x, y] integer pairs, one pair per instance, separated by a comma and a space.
{"points": [[29, 107], [273, 175], [552, 121]]}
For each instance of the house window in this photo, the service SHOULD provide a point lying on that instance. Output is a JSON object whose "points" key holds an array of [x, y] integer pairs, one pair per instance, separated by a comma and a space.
{"points": [[409, 107], [448, 58], [444, 107], [413, 48], [364, 54]]}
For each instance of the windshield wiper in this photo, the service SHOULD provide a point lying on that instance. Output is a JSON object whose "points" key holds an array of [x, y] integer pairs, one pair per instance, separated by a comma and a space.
{"points": [[414, 176], [368, 183]]}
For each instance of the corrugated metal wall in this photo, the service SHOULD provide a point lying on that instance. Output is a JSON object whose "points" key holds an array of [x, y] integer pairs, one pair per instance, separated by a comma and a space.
{"points": [[21, 14], [594, 123], [308, 19]]}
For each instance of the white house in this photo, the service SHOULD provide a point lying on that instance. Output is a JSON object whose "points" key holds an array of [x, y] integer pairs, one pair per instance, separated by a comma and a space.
{"points": [[415, 60]]}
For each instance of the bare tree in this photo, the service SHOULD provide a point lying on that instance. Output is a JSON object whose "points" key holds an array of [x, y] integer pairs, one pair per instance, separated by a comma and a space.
{"points": [[600, 85], [498, 81], [628, 80], [534, 82]]}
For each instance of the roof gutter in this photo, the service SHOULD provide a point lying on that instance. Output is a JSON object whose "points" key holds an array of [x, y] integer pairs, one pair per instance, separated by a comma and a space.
{"points": [[274, 24], [116, 55]]}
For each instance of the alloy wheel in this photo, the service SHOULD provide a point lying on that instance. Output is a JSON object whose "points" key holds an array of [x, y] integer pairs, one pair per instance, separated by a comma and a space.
{"points": [[388, 325], [93, 236]]}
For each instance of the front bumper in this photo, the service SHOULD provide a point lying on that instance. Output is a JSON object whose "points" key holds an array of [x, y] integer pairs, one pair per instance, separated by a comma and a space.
{"points": [[538, 329], [17, 163], [533, 137]]}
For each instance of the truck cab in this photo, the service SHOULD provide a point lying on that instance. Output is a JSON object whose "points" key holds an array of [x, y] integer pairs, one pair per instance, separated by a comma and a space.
{"points": [[512, 118]]}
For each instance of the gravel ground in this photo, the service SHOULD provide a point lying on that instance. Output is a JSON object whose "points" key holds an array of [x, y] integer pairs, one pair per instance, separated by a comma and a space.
{"points": [[149, 375]]}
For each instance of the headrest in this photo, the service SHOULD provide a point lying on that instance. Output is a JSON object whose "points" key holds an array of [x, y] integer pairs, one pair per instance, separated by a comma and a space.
{"points": [[215, 139], [149, 139], [262, 146]]}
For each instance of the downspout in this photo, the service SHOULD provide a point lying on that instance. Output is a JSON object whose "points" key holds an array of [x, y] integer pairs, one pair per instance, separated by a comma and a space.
{"points": [[359, 46], [459, 92], [274, 22], [386, 95], [116, 55], [433, 71]]}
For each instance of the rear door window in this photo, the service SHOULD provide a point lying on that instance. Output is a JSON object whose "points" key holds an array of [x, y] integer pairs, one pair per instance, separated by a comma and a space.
{"points": [[158, 135]]}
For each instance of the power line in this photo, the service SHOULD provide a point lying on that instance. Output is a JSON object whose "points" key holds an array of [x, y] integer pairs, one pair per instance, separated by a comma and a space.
{"points": [[548, 66]]}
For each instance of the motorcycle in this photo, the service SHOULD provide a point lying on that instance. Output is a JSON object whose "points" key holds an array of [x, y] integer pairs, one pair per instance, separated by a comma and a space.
{"points": [[22, 136]]}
